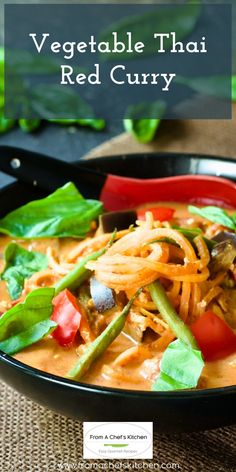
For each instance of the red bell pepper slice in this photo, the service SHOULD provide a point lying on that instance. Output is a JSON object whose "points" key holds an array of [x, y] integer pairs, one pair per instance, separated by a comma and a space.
{"points": [[67, 315], [214, 337], [159, 213]]}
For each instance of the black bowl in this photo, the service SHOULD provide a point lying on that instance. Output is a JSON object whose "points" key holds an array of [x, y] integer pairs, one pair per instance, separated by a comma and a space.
{"points": [[170, 411]]}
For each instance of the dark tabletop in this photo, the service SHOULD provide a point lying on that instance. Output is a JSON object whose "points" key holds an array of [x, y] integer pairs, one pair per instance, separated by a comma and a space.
{"points": [[67, 143]]}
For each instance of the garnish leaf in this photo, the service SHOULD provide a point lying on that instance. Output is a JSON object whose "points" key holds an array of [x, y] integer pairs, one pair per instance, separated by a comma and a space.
{"points": [[181, 367], [144, 129], [162, 20], [26, 338], [64, 213], [214, 214], [20, 264], [20, 326]]}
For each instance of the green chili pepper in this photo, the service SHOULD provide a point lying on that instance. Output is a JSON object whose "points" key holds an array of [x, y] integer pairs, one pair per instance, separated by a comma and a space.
{"points": [[29, 125], [170, 316], [97, 347], [5, 124]]}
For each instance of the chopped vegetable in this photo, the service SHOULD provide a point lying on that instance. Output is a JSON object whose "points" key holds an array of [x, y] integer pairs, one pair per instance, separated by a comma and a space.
{"points": [[225, 236], [215, 214], [159, 213], [103, 297], [29, 125], [117, 219], [215, 338], [22, 325], [64, 213], [100, 344], [222, 257], [181, 367], [170, 316], [20, 264], [67, 315]]}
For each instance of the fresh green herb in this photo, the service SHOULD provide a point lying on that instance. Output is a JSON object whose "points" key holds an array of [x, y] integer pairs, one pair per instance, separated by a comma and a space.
{"points": [[101, 343], [20, 264], [79, 274], [31, 335], [64, 213], [144, 129], [29, 125], [27, 322], [44, 98], [162, 20], [95, 123], [181, 367], [48, 100], [215, 214], [168, 313]]}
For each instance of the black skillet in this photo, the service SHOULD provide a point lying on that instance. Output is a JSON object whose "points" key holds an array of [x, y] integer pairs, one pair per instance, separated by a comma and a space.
{"points": [[34, 176]]}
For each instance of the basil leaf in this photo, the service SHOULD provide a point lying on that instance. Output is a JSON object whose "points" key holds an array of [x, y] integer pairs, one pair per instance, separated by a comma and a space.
{"points": [[144, 129], [20, 264], [181, 19], [181, 367], [64, 213], [18, 322], [214, 214], [49, 101], [30, 336]]}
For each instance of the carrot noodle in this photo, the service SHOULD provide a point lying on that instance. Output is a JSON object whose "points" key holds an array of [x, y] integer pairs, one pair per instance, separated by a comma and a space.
{"points": [[92, 245], [163, 342], [123, 266], [43, 278], [213, 293], [203, 251], [184, 301], [61, 269], [154, 317]]}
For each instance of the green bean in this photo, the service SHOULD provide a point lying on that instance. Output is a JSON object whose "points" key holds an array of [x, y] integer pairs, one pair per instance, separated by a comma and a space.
{"points": [[79, 274], [100, 344], [170, 316]]}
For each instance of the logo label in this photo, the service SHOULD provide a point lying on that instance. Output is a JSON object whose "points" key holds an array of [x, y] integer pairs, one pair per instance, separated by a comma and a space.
{"points": [[118, 440]]}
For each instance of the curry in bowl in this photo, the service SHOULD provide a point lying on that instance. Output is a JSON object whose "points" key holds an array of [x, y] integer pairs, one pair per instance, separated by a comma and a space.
{"points": [[141, 299]]}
